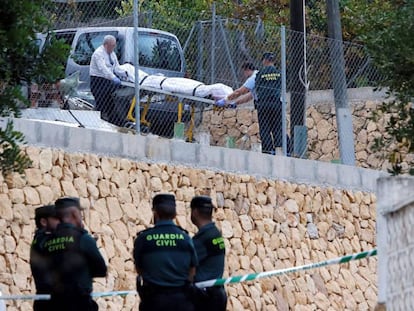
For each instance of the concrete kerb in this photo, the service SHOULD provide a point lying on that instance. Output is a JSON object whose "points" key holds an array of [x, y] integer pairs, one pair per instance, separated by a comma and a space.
{"points": [[304, 170], [155, 149], [210, 157], [182, 152], [282, 167], [235, 160], [260, 164], [134, 146]]}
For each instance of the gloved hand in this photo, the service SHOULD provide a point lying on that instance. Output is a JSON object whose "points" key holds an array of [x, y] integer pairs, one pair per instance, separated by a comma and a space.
{"points": [[123, 75], [116, 81], [221, 102], [232, 105]]}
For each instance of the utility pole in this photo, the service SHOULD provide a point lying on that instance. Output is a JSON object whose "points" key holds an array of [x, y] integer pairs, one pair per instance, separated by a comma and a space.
{"points": [[295, 55], [343, 113]]}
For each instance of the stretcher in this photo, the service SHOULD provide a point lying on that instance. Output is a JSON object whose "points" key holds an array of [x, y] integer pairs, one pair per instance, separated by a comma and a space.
{"points": [[148, 94]]}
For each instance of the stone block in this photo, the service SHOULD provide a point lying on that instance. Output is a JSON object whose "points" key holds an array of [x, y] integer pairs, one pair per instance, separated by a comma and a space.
{"points": [[82, 139], [184, 153], [107, 143], [45, 160], [282, 167], [33, 176], [134, 146], [235, 160], [211, 157], [259, 164], [158, 149], [349, 177], [31, 196], [304, 170], [327, 173]]}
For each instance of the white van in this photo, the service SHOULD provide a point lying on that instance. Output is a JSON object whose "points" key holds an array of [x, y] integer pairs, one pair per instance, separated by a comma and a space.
{"points": [[159, 51]]}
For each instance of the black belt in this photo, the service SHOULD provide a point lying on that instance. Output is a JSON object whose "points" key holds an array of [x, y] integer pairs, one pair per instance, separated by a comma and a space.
{"points": [[164, 289], [213, 289]]}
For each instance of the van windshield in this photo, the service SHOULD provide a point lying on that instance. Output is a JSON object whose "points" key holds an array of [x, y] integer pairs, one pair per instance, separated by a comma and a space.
{"points": [[88, 42], [158, 51]]}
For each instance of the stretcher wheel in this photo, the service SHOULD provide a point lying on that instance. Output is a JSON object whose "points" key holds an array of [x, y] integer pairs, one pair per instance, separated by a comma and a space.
{"points": [[144, 129]]}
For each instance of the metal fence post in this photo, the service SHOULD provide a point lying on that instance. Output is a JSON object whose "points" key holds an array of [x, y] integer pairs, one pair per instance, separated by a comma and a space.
{"points": [[283, 94], [136, 62], [200, 51], [343, 113], [213, 44]]}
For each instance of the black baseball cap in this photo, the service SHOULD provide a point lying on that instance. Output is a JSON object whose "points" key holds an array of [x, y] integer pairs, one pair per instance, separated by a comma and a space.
{"points": [[44, 212], [163, 200], [268, 56], [202, 201], [67, 202]]}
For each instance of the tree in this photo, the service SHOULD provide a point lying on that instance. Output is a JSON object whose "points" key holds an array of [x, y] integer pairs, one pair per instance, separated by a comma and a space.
{"points": [[388, 35], [20, 65]]}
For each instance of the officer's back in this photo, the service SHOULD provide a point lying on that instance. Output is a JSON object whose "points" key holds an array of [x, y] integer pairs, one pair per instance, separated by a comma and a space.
{"points": [[40, 263], [165, 259], [76, 259], [268, 81], [210, 249]]}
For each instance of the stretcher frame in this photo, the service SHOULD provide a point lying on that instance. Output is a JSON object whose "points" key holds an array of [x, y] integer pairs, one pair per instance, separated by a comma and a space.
{"points": [[193, 101]]}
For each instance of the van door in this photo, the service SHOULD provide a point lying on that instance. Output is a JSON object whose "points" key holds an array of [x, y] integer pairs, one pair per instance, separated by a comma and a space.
{"points": [[80, 58]]}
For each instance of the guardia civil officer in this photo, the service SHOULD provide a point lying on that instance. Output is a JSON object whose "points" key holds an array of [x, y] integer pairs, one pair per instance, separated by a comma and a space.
{"points": [[210, 249], [165, 260], [269, 107], [40, 263], [76, 260]]}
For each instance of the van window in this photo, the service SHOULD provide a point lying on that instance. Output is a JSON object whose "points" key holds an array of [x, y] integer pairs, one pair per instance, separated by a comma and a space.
{"points": [[87, 44], [157, 51], [66, 37]]}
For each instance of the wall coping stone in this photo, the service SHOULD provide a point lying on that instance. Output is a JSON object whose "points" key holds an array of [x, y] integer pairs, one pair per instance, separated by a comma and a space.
{"points": [[152, 148]]}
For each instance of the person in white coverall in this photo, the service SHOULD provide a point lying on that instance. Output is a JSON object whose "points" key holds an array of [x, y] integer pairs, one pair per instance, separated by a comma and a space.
{"points": [[105, 74]]}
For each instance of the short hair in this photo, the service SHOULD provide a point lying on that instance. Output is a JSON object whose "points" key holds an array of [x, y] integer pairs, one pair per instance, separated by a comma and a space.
{"points": [[203, 204], [269, 56], [63, 205], [164, 205], [248, 66], [109, 38], [44, 212], [66, 202]]}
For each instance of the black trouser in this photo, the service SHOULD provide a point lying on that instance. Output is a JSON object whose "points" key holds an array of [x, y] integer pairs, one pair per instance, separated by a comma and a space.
{"points": [[102, 90], [269, 114], [73, 303], [171, 300], [42, 305], [211, 298]]}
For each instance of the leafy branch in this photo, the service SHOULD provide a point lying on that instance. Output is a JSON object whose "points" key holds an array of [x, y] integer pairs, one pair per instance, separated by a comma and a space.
{"points": [[12, 159]]}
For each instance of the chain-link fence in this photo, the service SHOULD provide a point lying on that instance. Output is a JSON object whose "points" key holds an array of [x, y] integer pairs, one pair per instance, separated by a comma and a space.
{"points": [[187, 63]]}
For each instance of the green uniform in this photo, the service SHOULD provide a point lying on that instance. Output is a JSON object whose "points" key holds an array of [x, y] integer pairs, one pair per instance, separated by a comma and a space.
{"points": [[210, 248], [40, 265], [76, 260], [164, 255], [269, 108]]}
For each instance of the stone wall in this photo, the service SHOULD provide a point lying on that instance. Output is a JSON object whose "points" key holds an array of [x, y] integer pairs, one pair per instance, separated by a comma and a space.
{"points": [[242, 124], [267, 224], [396, 242]]}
